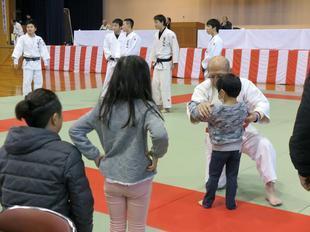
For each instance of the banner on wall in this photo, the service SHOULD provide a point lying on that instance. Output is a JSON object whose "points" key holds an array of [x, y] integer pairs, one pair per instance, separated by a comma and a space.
{"points": [[4, 18], [281, 67], [260, 39]]}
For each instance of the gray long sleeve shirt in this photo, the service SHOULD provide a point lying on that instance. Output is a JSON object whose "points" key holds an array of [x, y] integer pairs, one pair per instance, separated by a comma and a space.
{"points": [[125, 148]]}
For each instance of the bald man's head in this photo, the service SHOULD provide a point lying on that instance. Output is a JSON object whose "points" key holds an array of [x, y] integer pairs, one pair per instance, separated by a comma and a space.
{"points": [[218, 64]]}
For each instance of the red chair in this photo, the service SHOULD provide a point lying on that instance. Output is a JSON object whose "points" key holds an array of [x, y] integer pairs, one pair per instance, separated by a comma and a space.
{"points": [[32, 219]]}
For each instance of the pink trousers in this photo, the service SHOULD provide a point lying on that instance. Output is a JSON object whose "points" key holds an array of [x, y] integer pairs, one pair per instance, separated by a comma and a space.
{"points": [[128, 203]]}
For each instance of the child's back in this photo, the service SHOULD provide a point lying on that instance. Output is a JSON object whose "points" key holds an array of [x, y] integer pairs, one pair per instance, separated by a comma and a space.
{"points": [[226, 126], [125, 147], [122, 119], [226, 132]]}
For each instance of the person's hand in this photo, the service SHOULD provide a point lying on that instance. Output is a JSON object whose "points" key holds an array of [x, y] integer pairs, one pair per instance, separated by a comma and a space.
{"points": [[205, 109], [173, 66], [305, 182], [98, 160], [252, 117], [153, 166], [46, 63], [15, 66]]}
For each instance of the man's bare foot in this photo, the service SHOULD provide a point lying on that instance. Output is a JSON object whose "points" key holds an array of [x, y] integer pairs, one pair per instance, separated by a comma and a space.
{"points": [[160, 107], [271, 195], [165, 110]]}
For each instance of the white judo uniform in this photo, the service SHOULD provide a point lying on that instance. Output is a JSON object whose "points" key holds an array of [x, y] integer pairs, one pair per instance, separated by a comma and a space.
{"points": [[255, 145], [165, 52], [32, 49], [113, 48], [214, 48], [132, 44], [17, 31]]}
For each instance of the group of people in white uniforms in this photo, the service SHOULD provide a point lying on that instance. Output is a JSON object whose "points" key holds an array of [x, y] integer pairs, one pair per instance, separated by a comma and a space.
{"points": [[255, 145], [32, 48], [122, 41]]}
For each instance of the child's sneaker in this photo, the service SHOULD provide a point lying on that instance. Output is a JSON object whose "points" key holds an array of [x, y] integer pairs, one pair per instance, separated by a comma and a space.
{"points": [[207, 204], [231, 205]]}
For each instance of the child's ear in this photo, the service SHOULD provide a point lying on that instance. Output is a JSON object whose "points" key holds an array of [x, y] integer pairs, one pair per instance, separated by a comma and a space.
{"points": [[54, 119], [222, 93]]}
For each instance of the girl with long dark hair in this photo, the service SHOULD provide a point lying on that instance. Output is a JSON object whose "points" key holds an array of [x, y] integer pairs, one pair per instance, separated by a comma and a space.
{"points": [[122, 118]]}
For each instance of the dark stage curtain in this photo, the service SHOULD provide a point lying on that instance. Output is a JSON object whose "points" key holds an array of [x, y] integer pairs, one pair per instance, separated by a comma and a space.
{"points": [[55, 21], [85, 15], [49, 17]]}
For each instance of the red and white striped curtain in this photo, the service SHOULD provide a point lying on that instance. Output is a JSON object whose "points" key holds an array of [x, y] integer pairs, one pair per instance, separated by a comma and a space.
{"points": [[260, 66]]}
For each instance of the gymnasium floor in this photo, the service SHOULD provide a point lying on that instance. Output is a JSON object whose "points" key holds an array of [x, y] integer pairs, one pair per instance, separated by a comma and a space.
{"points": [[179, 184]]}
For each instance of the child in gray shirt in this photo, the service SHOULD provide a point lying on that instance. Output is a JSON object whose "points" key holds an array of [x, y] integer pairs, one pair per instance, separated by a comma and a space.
{"points": [[226, 131], [122, 119]]}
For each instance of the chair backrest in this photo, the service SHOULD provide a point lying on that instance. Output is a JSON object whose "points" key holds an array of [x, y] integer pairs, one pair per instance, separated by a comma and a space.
{"points": [[25, 219]]}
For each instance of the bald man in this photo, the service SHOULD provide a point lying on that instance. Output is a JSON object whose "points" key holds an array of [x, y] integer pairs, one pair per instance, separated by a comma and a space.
{"points": [[255, 145], [105, 26]]}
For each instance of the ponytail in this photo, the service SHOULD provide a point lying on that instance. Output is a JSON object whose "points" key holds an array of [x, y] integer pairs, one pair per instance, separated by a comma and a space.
{"points": [[38, 107], [22, 109]]}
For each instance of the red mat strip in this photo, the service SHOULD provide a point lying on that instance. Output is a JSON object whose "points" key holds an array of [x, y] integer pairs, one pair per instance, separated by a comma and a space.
{"points": [[177, 209]]}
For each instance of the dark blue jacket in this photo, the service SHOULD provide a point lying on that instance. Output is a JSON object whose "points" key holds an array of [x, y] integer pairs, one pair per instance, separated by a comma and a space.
{"points": [[38, 169], [300, 140]]}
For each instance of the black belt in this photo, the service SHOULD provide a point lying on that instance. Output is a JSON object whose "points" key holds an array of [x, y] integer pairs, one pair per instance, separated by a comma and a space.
{"points": [[32, 58], [160, 61], [112, 59]]}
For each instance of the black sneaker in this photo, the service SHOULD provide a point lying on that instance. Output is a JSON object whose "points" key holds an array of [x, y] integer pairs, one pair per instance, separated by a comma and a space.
{"points": [[231, 206], [207, 204]]}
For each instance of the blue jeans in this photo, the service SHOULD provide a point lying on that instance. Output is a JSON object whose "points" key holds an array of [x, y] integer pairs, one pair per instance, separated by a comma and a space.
{"points": [[218, 161]]}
